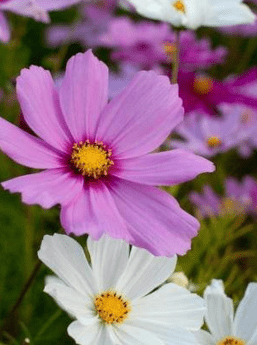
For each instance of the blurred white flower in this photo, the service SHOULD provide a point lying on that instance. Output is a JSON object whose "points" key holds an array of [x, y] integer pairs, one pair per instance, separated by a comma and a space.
{"points": [[110, 299], [224, 327], [195, 13]]}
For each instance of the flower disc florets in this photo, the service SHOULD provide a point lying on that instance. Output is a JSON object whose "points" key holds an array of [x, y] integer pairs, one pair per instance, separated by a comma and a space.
{"points": [[231, 341], [112, 307], [179, 6], [91, 160], [203, 85], [214, 142]]}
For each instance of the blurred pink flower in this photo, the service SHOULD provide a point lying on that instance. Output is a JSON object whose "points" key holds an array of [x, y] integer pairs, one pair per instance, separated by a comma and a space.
{"points": [[149, 44], [209, 136], [95, 18], [96, 155], [37, 9], [240, 197], [204, 93]]}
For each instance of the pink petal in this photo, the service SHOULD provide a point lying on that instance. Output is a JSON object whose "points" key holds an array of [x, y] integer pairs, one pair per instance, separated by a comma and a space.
{"points": [[84, 94], [94, 212], [56, 4], [154, 218], [26, 149], [141, 117], [4, 29], [165, 168], [41, 109], [47, 188]]}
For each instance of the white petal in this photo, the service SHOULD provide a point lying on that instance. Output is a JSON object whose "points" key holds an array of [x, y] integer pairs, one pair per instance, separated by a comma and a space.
{"points": [[228, 13], [204, 338], [128, 334], [96, 334], [72, 301], [65, 257], [171, 306], [144, 272], [245, 324], [219, 316], [109, 257]]}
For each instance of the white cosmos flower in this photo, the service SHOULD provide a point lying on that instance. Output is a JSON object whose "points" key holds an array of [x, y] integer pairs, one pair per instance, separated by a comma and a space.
{"points": [[224, 327], [110, 299], [195, 13]]}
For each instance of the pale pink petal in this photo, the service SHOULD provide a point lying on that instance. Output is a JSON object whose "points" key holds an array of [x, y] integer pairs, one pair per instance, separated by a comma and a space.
{"points": [[26, 149], [94, 212], [84, 94], [56, 4], [28, 8], [141, 117], [47, 188], [165, 168], [154, 218], [41, 109], [5, 33]]}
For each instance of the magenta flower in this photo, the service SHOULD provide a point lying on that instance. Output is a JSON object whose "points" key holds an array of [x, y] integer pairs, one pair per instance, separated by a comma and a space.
{"points": [[204, 93], [37, 9], [246, 30], [95, 154], [240, 197]]}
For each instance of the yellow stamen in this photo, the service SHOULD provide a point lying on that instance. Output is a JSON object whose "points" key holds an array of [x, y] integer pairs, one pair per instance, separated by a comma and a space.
{"points": [[203, 85], [112, 307], [91, 160], [170, 49], [179, 6], [231, 341], [214, 142]]}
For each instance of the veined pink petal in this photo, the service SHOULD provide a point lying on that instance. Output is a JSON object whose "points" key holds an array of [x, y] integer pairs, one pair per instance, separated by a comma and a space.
{"points": [[164, 168], [26, 149], [47, 188], [4, 29], [28, 8], [141, 117], [154, 218], [84, 94], [94, 212], [41, 109]]}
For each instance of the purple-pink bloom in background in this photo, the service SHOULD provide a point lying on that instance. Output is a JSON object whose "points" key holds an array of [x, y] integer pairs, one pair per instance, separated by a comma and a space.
{"points": [[96, 154], [149, 44], [37, 9], [204, 93], [240, 197], [246, 30], [95, 17], [208, 136]]}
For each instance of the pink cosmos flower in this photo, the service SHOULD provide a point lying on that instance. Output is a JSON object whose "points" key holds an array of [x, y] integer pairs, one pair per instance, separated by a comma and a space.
{"points": [[208, 136], [204, 93], [36, 9], [239, 197], [148, 44], [96, 155]]}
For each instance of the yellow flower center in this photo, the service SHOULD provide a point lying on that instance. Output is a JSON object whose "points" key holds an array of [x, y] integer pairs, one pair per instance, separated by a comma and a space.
{"points": [[170, 49], [231, 341], [91, 160], [179, 6], [112, 307], [214, 142], [203, 85]]}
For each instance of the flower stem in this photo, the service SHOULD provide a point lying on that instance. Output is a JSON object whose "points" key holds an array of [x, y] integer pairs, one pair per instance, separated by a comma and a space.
{"points": [[174, 79], [9, 318]]}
